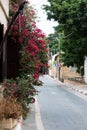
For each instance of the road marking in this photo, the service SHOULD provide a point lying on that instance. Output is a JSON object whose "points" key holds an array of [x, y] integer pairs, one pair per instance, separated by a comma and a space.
{"points": [[54, 93], [39, 123]]}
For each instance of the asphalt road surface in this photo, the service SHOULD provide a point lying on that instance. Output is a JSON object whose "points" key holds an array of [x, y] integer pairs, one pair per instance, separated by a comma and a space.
{"points": [[56, 109], [60, 109]]}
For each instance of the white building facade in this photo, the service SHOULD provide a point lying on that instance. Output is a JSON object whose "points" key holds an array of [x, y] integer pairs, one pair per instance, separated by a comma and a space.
{"points": [[85, 70], [4, 13], [4, 16]]}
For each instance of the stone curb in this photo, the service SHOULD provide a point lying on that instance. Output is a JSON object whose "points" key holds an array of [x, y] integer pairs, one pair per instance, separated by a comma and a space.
{"points": [[70, 86]]}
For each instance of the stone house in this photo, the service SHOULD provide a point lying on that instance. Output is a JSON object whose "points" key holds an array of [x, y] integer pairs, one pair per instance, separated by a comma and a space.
{"points": [[65, 72]]}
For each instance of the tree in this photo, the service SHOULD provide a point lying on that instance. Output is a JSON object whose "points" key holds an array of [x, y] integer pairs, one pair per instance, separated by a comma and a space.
{"points": [[72, 18], [54, 44]]}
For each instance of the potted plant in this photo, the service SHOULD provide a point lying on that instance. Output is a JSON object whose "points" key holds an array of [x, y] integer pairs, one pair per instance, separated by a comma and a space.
{"points": [[22, 90], [10, 112]]}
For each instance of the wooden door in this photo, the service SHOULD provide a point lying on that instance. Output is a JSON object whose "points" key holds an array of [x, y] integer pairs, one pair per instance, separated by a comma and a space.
{"points": [[12, 58]]}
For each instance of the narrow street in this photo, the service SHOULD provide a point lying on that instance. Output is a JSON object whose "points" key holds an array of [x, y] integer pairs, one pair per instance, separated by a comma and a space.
{"points": [[56, 109], [37, 38]]}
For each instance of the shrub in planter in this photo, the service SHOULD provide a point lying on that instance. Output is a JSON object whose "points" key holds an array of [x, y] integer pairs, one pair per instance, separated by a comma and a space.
{"points": [[10, 112], [22, 90], [10, 108]]}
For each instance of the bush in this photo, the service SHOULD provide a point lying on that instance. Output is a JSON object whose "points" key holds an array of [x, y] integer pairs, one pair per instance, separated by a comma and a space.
{"points": [[22, 90], [10, 108]]}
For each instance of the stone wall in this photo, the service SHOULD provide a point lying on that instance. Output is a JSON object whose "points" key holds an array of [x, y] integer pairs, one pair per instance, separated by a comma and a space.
{"points": [[65, 72]]}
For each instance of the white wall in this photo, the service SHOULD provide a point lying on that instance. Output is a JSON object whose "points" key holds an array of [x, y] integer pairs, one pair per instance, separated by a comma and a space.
{"points": [[3, 19], [85, 70]]}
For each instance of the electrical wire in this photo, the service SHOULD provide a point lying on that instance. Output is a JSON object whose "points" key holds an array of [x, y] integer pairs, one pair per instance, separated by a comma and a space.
{"points": [[39, 3]]}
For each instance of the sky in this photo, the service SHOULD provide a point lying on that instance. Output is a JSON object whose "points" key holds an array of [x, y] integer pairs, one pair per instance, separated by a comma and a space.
{"points": [[42, 23]]}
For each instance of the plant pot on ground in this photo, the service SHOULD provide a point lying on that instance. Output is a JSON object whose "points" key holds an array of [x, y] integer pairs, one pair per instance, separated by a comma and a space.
{"points": [[10, 112], [22, 90]]}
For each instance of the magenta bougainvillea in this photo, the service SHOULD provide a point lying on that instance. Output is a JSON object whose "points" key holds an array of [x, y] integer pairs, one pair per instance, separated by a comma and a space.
{"points": [[32, 57], [33, 42]]}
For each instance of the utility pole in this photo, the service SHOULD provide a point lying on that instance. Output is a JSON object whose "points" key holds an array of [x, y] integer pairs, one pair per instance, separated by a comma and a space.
{"points": [[59, 66], [58, 60]]}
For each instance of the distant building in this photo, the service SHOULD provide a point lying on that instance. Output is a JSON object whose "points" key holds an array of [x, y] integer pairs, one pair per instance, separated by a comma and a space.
{"points": [[64, 72]]}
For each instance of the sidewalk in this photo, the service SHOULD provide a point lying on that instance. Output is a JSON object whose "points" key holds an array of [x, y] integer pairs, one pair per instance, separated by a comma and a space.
{"points": [[74, 85]]}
